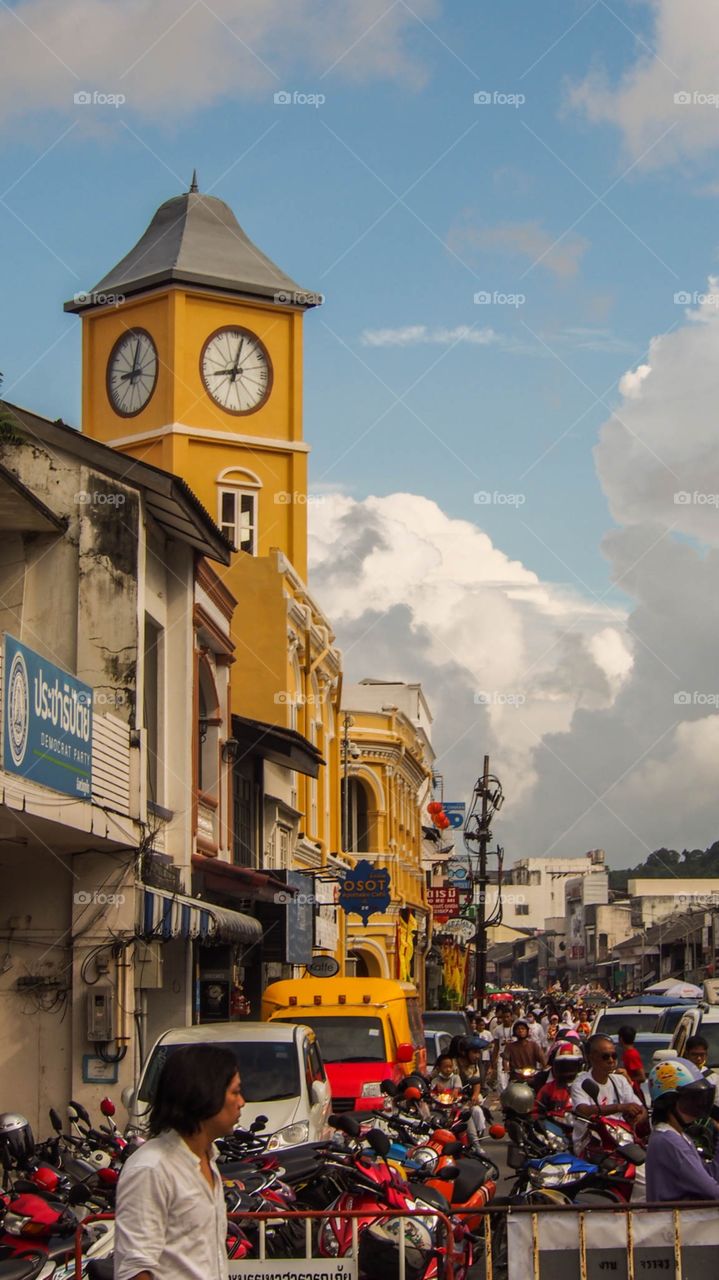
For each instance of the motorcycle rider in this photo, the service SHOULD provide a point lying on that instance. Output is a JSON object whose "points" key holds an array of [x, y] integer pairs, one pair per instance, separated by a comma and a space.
{"points": [[615, 1097], [522, 1053], [554, 1097], [681, 1096]]}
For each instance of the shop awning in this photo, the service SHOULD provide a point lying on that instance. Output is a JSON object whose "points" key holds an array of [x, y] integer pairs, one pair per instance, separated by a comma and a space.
{"points": [[282, 746], [172, 915]]}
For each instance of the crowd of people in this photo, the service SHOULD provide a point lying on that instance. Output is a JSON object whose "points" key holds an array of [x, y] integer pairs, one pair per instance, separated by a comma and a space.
{"points": [[673, 1111]]}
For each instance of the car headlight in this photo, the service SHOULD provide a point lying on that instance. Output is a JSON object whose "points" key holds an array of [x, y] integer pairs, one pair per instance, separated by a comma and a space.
{"points": [[371, 1089], [290, 1136]]}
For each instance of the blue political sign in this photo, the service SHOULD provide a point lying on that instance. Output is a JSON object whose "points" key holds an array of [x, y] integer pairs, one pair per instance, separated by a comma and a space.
{"points": [[47, 722], [364, 890], [455, 812]]}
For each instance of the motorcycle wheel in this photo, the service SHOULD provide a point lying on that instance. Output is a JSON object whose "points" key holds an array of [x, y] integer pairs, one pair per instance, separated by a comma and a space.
{"points": [[598, 1195]]}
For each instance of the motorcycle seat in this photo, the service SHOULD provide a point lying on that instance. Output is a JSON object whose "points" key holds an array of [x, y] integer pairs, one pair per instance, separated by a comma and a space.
{"points": [[470, 1180], [100, 1269], [22, 1268], [429, 1195]]}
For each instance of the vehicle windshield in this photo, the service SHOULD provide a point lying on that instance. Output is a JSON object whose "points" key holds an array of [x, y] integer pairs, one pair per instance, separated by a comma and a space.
{"points": [[710, 1032], [647, 1049], [671, 1018], [454, 1023], [268, 1071], [347, 1039], [609, 1023]]}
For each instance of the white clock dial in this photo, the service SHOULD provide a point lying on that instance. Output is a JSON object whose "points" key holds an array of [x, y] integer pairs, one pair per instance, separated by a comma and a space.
{"points": [[131, 372], [236, 370]]}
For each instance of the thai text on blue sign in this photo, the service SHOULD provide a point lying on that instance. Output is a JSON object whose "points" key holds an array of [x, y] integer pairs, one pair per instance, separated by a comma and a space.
{"points": [[364, 890], [47, 722], [455, 812]]}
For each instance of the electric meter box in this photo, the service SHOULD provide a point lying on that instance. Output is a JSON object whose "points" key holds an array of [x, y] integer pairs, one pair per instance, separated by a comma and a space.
{"points": [[100, 1005], [148, 965]]}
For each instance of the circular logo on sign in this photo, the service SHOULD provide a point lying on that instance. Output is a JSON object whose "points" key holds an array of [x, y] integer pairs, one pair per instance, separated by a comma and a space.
{"points": [[18, 709]]}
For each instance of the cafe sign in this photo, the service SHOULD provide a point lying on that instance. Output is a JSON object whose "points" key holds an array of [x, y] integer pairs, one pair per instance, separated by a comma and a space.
{"points": [[47, 722], [364, 890]]}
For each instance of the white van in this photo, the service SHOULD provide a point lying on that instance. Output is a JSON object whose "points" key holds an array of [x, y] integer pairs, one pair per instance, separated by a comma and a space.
{"points": [[282, 1072]]}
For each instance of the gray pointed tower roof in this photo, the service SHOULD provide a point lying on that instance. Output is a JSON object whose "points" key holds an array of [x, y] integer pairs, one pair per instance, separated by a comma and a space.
{"points": [[195, 239]]}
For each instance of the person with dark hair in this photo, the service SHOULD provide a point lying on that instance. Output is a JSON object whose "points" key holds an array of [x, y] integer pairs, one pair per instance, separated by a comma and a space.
{"points": [[631, 1057], [615, 1095], [170, 1216]]}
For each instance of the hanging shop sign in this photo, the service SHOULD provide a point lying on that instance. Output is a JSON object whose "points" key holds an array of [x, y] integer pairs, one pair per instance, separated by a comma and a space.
{"points": [[323, 967], [364, 890], [444, 902], [47, 722], [459, 928], [455, 812], [300, 918]]}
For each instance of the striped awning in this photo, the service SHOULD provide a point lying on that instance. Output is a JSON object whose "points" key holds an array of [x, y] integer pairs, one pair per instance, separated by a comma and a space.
{"points": [[173, 915]]}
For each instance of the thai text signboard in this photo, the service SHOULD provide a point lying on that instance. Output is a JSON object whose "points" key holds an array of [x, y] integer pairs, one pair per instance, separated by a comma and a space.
{"points": [[47, 722]]}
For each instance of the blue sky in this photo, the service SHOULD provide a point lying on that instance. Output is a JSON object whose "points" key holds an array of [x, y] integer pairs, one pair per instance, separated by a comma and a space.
{"points": [[557, 624], [313, 185]]}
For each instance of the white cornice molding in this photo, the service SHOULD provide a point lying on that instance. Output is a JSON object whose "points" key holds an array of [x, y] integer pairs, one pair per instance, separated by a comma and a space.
{"points": [[207, 433]]}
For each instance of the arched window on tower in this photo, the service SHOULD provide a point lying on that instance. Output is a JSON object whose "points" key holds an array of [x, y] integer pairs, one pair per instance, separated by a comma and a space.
{"points": [[238, 507]]}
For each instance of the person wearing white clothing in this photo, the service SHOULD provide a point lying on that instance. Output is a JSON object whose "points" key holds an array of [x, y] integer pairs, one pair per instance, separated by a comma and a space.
{"points": [[170, 1215], [615, 1095]]}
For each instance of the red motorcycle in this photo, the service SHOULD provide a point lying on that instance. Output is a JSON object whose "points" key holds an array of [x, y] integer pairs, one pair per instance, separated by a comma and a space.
{"points": [[372, 1187]]}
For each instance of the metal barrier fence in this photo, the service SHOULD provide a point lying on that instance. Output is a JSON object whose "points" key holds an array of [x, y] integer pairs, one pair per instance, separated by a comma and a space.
{"points": [[514, 1242]]}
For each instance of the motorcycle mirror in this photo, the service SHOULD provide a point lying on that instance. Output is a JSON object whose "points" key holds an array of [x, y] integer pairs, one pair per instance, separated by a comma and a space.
{"points": [[107, 1107], [497, 1131], [80, 1110], [388, 1088], [55, 1120], [412, 1094], [380, 1142], [346, 1124], [591, 1088], [259, 1122]]}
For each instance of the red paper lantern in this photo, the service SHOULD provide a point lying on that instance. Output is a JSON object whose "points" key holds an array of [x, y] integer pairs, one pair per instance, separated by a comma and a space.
{"points": [[435, 806]]}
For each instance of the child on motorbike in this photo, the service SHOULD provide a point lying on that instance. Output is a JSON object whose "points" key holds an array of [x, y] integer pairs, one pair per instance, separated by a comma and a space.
{"points": [[445, 1078], [554, 1098]]}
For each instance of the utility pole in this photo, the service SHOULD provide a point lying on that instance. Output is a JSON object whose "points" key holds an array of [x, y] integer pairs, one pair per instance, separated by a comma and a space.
{"points": [[486, 801]]}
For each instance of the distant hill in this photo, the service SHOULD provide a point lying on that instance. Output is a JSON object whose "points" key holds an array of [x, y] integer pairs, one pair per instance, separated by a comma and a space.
{"points": [[689, 864]]}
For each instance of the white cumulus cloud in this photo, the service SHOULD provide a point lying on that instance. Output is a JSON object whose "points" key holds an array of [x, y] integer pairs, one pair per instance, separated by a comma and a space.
{"points": [[413, 335], [665, 104], [171, 59]]}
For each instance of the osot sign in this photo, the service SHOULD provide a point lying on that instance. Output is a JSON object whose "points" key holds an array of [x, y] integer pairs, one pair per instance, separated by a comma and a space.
{"points": [[47, 722]]}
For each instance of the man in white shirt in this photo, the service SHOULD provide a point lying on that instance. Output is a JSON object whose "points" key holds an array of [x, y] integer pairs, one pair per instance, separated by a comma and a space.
{"points": [[170, 1218], [501, 1035], [615, 1096]]}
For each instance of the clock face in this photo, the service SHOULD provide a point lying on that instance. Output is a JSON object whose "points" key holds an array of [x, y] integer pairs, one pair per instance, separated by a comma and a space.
{"points": [[132, 372], [236, 370]]}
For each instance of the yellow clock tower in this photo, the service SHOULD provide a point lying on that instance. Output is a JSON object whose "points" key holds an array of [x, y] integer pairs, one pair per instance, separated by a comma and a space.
{"points": [[192, 360]]}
